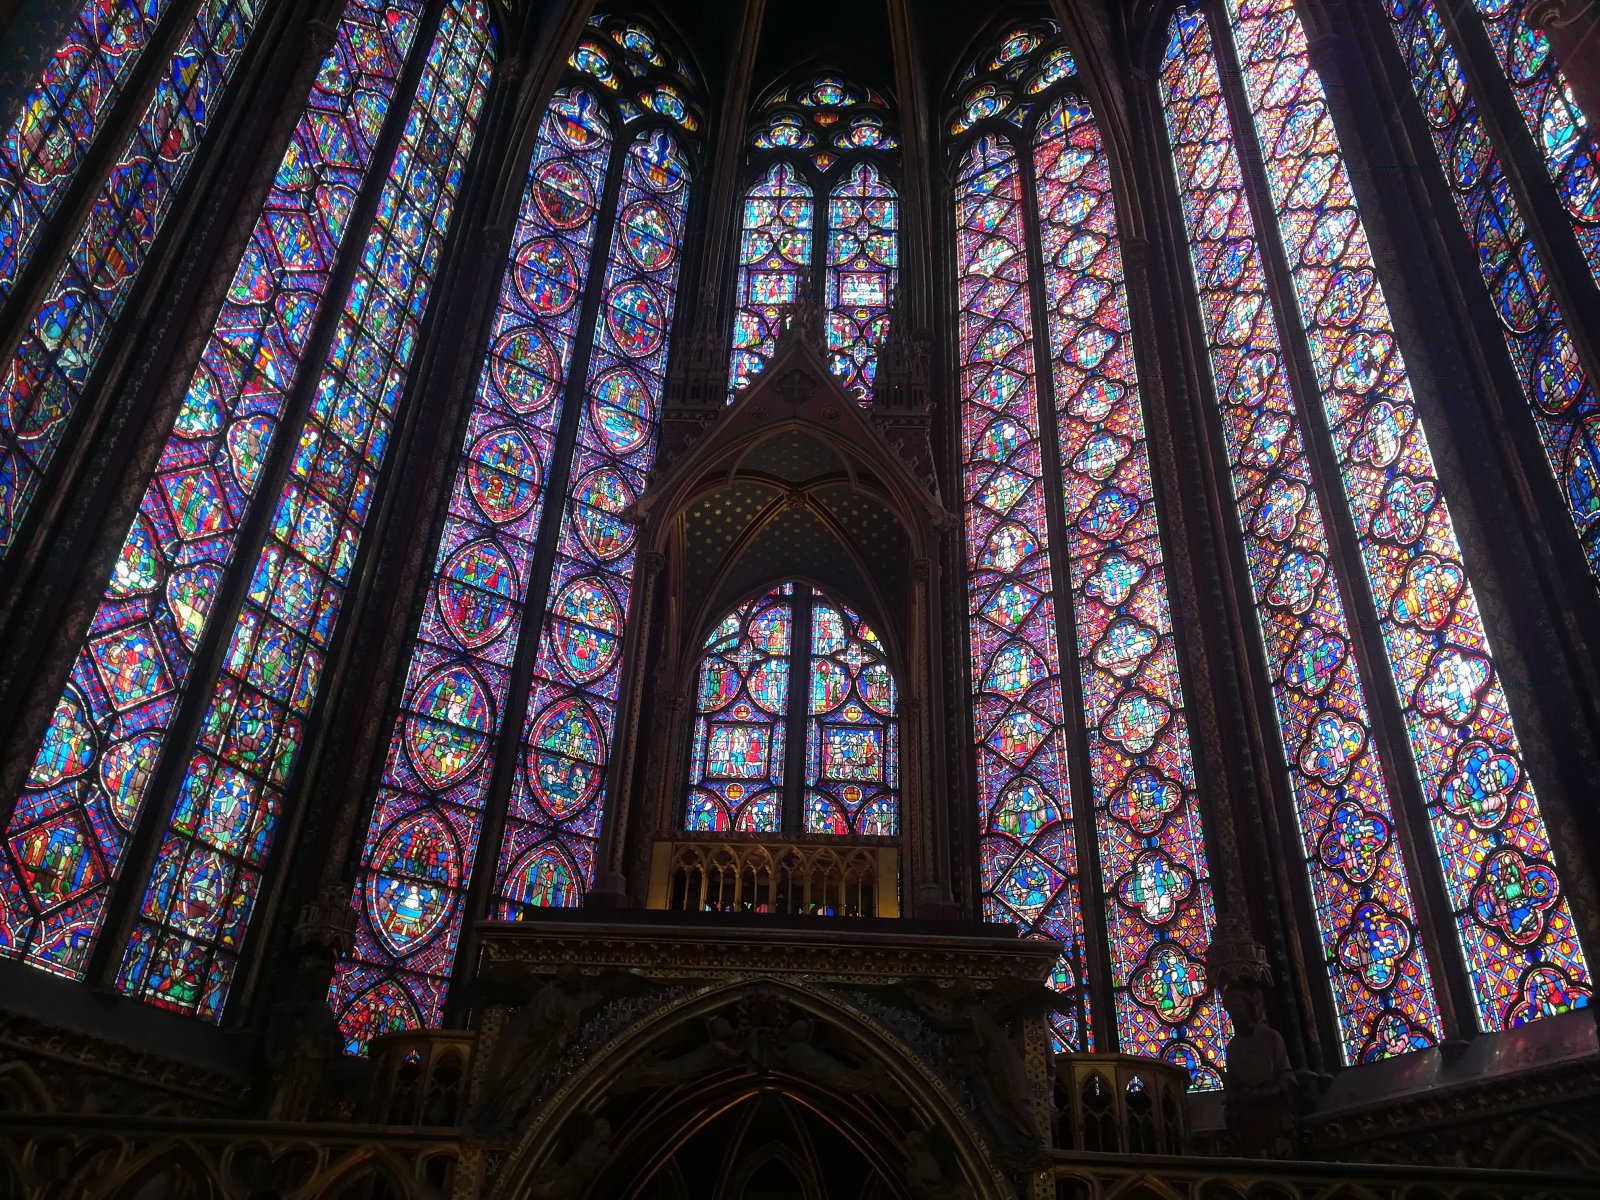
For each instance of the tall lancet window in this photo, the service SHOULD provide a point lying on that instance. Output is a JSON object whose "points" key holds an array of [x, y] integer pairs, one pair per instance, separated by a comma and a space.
{"points": [[1540, 341], [72, 311], [251, 415], [509, 702], [796, 726], [831, 140], [1516, 939], [1074, 657]]}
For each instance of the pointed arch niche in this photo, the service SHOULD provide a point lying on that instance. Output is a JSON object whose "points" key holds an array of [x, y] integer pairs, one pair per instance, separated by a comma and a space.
{"points": [[791, 609]]}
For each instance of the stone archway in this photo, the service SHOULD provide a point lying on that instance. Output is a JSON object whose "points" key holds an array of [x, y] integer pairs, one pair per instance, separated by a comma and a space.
{"points": [[685, 1081]]}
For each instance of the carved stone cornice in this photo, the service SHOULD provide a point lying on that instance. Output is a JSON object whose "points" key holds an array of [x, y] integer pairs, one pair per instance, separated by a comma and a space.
{"points": [[516, 952], [27, 1036]]}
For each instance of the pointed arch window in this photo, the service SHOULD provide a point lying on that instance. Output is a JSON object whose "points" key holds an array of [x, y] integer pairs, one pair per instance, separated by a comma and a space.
{"points": [[828, 138], [1539, 340], [1515, 932], [796, 722], [87, 800], [67, 331], [1075, 670], [509, 702]]}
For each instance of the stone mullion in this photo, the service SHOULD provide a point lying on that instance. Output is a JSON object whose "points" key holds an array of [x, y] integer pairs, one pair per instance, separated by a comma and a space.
{"points": [[343, 753], [123, 905], [713, 284], [925, 882], [78, 525], [1472, 405], [507, 747], [797, 713], [956, 646], [918, 140], [1096, 966], [665, 775], [1391, 742], [611, 885]]}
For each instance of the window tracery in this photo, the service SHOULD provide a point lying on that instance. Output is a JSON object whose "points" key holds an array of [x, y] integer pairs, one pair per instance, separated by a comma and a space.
{"points": [[87, 791], [794, 667], [1058, 407], [570, 282], [1513, 925], [823, 135]]}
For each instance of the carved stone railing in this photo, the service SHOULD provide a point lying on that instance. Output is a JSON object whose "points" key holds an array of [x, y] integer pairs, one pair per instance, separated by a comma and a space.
{"points": [[72, 1157], [1117, 1103], [859, 878], [81, 1157], [419, 1077], [1125, 1177]]}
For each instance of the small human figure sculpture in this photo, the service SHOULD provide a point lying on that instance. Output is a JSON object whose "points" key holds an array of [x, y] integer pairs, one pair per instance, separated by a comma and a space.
{"points": [[1260, 1090]]}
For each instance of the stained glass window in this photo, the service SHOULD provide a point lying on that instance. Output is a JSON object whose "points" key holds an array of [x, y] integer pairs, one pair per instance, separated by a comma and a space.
{"points": [[863, 252], [1158, 907], [1513, 922], [209, 866], [819, 131], [65, 335], [485, 606], [1383, 995], [736, 778], [852, 736], [1511, 914], [61, 117], [749, 712], [1028, 853], [1551, 113], [774, 265], [421, 846], [86, 790], [558, 790], [1557, 389], [1052, 422]]}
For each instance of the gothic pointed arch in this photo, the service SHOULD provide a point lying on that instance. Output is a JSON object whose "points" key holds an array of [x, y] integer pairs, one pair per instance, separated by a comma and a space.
{"points": [[1075, 671], [561, 435]]}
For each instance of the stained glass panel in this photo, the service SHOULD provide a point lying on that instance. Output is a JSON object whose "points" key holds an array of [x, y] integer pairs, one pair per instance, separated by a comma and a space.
{"points": [[736, 773], [774, 263], [1558, 126], [1028, 855], [209, 867], [87, 787], [1558, 390], [1512, 917], [852, 733], [557, 793], [422, 843], [1159, 910], [61, 117], [863, 257], [1383, 996], [65, 335]]}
